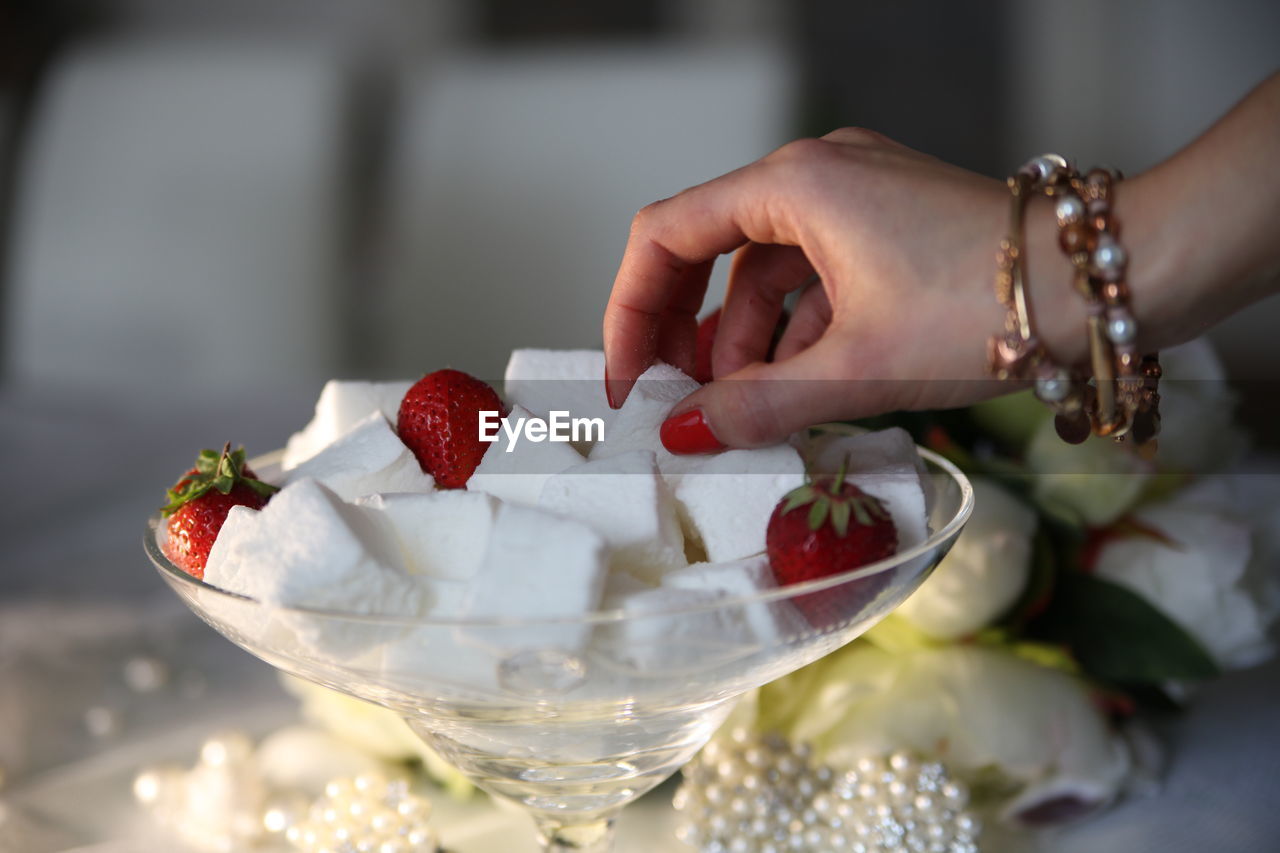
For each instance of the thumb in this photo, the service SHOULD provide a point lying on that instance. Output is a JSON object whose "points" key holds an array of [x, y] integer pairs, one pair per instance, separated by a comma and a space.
{"points": [[762, 403]]}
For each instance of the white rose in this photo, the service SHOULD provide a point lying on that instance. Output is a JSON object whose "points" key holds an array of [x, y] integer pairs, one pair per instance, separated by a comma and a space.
{"points": [[1216, 575], [976, 708], [984, 573], [1197, 411], [1097, 481]]}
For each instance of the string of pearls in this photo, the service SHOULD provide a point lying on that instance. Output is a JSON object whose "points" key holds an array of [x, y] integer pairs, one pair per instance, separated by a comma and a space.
{"points": [[223, 804], [761, 794], [367, 814]]}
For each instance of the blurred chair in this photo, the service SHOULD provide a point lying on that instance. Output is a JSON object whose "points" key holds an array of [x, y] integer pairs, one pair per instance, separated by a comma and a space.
{"points": [[178, 217], [515, 175]]}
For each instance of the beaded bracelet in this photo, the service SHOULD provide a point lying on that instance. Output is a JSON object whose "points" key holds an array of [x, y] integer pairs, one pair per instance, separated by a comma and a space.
{"points": [[1120, 399]]}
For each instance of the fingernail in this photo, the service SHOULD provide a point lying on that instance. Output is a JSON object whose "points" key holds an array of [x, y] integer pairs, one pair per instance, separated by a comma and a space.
{"points": [[689, 433], [608, 391]]}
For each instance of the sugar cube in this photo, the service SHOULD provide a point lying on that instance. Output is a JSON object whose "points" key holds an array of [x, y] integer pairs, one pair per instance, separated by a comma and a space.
{"points": [[536, 566], [519, 475], [343, 405], [625, 500], [702, 615], [543, 380], [309, 549], [440, 534], [727, 499], [368, 459], [637, 423]]}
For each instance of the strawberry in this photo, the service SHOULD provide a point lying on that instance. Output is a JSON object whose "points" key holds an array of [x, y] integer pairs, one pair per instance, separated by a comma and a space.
{"points": [[706, 339], [439, 421], [199, 503], [826, 527]]}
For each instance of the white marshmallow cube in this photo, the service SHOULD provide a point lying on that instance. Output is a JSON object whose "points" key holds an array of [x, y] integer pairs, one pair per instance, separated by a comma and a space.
{"points": [[886, 465], [308, 549], [625, 500], [727, 499], [518, 476], [343, 405], [441, 534], [537, 566], [702, 615], [543, 380], [637, 423], [368, 459]]}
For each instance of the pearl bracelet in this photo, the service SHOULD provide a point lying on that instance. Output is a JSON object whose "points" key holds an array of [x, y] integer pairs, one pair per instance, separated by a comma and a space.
{"points": [[1120, 399]]}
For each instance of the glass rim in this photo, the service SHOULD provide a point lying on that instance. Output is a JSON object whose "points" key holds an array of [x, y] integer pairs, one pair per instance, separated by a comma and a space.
{"points": [[173, 574]]}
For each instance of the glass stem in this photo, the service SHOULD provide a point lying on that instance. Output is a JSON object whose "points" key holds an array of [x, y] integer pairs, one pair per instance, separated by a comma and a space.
{"points": [[593, 837]]}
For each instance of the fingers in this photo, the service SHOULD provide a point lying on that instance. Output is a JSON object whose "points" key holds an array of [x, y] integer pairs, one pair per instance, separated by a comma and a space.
{"points": [[664, 269], [808, 323], [761, 277], [764, 403]]}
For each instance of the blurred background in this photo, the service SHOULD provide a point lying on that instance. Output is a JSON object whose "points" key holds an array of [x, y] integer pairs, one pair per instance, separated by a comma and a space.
{"points": [[215, 194], [207, 208]]}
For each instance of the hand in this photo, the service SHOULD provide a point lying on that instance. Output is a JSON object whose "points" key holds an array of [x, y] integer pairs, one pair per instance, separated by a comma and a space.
{"points": [[903, 245]]}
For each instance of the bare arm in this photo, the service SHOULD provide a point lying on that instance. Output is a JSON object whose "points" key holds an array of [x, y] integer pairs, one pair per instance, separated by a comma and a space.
{"points": [[904, 246]]}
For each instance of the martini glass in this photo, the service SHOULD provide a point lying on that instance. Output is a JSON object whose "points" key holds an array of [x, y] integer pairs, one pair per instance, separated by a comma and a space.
{"points": [[572, 719]]}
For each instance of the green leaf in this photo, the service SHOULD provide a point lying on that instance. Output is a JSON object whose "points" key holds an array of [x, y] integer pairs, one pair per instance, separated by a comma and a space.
{"points": [[840, 517], [1118, 636], [264, 489], [818, 514], [860, 512], [798, 497], [222, 470]]}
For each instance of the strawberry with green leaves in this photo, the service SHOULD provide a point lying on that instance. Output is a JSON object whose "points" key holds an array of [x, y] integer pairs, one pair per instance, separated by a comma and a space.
{"points": [[826, 527], [199, 503], [439, 421]]}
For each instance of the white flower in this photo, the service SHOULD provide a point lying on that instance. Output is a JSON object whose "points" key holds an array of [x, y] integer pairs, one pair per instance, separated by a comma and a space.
{"points": [[1216, 575], [979, 709], [1197, 410], [985, 571], [1097, 481]]}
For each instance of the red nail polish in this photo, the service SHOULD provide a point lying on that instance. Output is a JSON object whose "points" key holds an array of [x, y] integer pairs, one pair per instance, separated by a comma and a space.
{"points": [[689, 433]]}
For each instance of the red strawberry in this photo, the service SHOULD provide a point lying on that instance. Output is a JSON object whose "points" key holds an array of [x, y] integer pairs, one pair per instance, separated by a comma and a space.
{"points": [[706, 339], [827, 527], [199, 503], [439, 421]]}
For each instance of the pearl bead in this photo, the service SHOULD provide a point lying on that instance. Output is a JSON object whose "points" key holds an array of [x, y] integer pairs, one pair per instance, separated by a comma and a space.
{"points": [[226, 749], [1053, 389], [1069, 209], [1109, 255], [1121, 329]]}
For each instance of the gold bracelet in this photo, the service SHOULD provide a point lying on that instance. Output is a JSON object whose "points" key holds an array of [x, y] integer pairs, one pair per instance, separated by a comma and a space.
{"points": [[1120, 399]]}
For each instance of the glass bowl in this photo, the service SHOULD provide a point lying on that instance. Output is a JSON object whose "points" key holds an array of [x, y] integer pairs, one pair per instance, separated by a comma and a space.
{"points": [[572, 719]]}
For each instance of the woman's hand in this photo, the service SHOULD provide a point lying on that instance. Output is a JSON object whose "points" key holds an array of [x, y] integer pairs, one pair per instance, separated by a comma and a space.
{"points": [[903, 246]]}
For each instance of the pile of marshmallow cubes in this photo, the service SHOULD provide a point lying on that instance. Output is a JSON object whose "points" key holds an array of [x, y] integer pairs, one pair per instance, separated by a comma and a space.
{"points": [[544, 532]]}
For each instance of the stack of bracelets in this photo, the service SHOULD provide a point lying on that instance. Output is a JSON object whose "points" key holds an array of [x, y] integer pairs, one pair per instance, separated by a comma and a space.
{"points": [[1120, 399]]}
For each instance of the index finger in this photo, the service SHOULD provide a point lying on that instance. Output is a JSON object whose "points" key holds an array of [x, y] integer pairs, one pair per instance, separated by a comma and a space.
{"points": [[664, 269]]}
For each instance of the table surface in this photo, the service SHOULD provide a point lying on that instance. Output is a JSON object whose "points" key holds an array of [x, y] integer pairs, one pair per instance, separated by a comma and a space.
{"points": [[77, 599]]}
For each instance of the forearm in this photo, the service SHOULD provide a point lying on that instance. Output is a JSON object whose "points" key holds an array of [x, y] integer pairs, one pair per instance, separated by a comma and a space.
{"points": [[1202, 231], [1203, 228]]}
